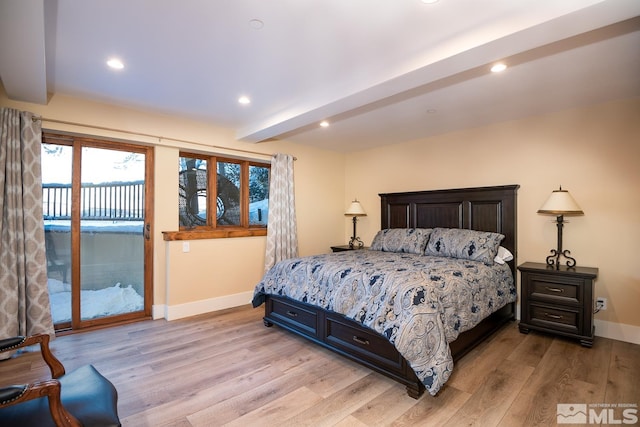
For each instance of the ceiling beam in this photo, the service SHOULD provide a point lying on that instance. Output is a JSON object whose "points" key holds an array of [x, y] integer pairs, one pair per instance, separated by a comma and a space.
{"points": [[22, 50], [461, 62]]}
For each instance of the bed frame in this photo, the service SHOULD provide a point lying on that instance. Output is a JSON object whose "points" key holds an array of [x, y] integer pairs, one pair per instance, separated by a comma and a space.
{"points": [[483, 208]]}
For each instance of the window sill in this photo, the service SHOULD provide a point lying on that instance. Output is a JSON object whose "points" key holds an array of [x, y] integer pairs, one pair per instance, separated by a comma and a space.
{"points": [[213, 234]]}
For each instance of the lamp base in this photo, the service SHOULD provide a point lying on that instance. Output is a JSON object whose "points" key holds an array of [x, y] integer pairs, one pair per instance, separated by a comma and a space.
{"points": [[356, 243], [553, 260]]}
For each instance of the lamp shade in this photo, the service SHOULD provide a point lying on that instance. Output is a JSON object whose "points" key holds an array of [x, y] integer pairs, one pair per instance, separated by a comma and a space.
{"points": [[560, 202], [355, 209]]}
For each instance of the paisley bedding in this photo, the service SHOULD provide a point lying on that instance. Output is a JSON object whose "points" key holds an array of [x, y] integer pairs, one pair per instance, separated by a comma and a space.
{"points": [[419, 302]]}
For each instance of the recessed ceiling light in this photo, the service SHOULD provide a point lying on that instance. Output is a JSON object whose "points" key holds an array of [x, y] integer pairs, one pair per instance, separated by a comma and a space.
{"points": [[115, 63], [244, 100], [498, 67], [256, 24], [429, 1], [324, 124]]}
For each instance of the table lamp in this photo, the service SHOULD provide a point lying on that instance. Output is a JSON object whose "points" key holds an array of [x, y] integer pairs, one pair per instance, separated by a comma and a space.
{"points": [[355, 210], [560, 203]]}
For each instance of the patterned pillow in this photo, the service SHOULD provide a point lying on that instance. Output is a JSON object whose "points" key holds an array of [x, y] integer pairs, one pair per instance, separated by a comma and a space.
{"points": [[405, 240], [464, 244]]}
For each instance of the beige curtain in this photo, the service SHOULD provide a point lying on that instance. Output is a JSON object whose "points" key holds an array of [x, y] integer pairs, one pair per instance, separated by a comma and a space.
{"points": [[282, 234], [24, 298]]}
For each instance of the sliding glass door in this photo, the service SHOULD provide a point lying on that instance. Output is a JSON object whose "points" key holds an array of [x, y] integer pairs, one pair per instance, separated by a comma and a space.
{"points": [[57, 173], [97, 225]]}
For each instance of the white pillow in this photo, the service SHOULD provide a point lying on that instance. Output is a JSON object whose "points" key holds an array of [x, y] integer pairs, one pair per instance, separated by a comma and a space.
{"points": [[503, 255]]}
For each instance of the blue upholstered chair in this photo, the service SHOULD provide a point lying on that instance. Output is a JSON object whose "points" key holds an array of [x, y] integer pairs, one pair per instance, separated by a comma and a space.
{"points": [[81, 398]]}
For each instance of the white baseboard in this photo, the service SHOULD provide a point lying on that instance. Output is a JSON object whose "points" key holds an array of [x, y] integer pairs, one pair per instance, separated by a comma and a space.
{"points": [[617, 331], [179, 311], [157, 311]]}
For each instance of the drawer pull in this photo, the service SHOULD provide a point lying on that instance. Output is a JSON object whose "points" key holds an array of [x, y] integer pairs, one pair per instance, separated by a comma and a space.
{"points": [[292, 313], [360, 340], [553, 316], [558, 290]]}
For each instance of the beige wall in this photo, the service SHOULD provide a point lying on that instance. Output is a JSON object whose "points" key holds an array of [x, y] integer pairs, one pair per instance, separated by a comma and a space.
{"points": [[593, 152], [216, 268]]}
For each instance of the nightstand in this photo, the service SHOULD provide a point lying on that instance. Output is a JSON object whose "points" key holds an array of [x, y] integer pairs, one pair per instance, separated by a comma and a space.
{"points": [[557, 301], [343, 248]]}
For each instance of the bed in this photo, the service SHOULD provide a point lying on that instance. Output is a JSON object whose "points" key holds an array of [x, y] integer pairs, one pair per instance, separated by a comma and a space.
{"points": [[449, 303]]}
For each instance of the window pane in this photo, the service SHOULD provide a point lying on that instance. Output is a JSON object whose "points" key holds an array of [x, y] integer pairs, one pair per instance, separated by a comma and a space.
{"points": [[111, 232], [258, 195], [56, 199], [228, 201], [192, 189]]}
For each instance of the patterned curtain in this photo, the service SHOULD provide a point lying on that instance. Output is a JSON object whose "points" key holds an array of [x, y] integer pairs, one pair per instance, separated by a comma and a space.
{"points": [[24, 298], [282, 234]]}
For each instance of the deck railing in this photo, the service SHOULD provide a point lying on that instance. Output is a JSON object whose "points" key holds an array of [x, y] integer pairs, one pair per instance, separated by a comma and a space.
{"points": [[117, 201]]}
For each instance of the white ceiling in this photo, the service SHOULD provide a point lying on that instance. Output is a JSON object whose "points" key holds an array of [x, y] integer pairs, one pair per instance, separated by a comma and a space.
{"points": [[380, 71]]}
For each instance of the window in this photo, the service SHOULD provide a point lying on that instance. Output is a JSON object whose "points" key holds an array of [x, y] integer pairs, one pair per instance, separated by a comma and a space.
{"points": [[222, 194]]}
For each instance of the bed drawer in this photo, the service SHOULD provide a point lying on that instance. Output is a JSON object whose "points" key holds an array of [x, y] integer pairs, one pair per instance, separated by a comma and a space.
{"points": [[293, 315], [368, 346]]}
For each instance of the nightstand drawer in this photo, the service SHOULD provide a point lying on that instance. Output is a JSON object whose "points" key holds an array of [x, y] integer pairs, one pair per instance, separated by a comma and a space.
{"points": [[556, 318], [557, 290]]}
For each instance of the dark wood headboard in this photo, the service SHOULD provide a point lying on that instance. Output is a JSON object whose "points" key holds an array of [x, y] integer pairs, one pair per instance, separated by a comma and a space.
{"points": [[481, 208]]}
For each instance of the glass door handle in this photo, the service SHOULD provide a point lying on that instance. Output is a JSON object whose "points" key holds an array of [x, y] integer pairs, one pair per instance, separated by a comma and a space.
{"points": [[147, 231]]}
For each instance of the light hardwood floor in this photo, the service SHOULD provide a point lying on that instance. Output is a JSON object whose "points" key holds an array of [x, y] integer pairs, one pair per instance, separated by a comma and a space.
{"points": [[227, 368]]}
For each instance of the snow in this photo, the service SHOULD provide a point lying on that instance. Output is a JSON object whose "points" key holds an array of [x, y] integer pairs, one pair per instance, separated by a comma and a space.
{"points": [[95, 303]]}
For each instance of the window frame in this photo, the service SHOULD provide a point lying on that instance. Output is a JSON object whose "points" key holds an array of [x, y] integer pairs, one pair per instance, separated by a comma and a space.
{"points": [[212, 230]]}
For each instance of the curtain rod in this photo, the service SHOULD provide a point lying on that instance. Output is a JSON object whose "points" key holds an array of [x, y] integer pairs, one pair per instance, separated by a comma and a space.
{"points": [[158, 137]]}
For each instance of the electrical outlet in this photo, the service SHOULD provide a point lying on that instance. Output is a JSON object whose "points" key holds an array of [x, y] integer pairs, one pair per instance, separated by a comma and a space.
{"points": [[601, 303]]}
